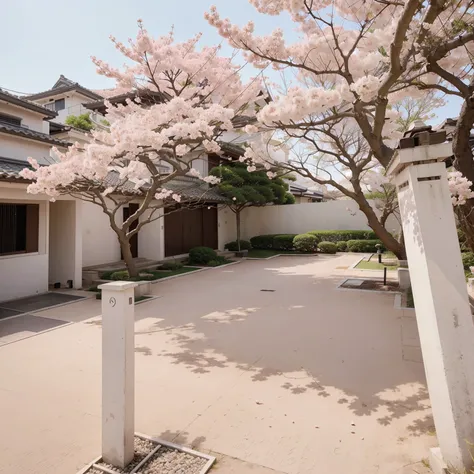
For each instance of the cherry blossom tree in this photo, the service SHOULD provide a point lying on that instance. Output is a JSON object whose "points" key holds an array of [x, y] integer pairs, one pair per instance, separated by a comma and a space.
{"points": [[183, 99], [354, 63]]}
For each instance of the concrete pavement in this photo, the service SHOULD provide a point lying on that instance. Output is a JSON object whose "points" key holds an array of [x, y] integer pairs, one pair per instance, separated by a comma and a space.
{"points": [[301, 378]]}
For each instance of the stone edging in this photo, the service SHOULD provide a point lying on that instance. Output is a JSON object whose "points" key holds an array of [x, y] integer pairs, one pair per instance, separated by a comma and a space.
{"points": [[200, 269], [284, 255]]}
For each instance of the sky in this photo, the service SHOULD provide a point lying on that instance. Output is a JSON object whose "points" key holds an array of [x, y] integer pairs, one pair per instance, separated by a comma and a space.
{"points": [[39, 40]]}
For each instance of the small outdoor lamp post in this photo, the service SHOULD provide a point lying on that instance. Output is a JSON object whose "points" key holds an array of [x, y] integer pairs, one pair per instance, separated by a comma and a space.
{"points": [[439, 289], [379, 251]]}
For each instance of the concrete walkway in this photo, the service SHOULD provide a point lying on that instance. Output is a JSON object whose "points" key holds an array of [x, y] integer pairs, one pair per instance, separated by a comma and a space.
{"points": [[302, 378]]}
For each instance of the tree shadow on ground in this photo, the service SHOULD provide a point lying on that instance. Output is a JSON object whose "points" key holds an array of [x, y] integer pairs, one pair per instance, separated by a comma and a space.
{"points": [[323, 340], [181, 437]]}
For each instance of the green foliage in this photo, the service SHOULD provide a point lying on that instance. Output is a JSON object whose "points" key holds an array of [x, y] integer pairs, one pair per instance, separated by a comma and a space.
{"points": [[305, 243], [467, 260], [327, 247], [218, 261], [462, 241], [170, 265], [83, 122], [341, 246], [410, 300], [233, 246], [362, 245], [343, 235], [120, 275], [283, 241], [201, 255], [289, 199], [244, 188], [262, 241]]}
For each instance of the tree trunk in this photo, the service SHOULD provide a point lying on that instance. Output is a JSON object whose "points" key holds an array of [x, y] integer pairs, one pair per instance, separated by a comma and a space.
{"points": [[237, 218], [127, 256], [463, 162], [389, 241]]}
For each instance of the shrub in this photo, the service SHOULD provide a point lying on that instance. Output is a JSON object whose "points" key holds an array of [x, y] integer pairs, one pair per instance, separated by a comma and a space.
{"points": [[201, 255], [120, 275], [362, 245], [171, 265], [262, 241], [342, 235], [283, 241], [467, 260], [218, 261], [327, 247], [341, 246], [305, 243], [233, 247]]}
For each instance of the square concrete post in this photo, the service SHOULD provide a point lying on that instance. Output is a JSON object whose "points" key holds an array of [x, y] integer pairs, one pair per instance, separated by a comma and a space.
{"points": [[118, 373], [439, 289]]}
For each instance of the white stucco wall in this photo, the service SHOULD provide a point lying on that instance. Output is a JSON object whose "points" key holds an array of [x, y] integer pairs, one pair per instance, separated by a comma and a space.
{"points": [[295, 219], [201, 166], [226, 226], [65, 243], [20, 149], [25, 274], [151, 238], [73, 105], [30, 119], [99, 241]]}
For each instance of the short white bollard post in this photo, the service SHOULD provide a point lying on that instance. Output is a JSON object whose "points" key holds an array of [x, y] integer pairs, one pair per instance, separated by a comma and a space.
{"points": [[439, 289], [118, 373]]}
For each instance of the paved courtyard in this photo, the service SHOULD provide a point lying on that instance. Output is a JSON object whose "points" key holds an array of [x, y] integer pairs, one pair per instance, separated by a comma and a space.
{"points": [[265, 363]]}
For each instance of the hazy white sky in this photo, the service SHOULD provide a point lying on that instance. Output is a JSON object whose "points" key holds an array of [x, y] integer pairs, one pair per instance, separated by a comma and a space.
{"points": [[39, 40]]}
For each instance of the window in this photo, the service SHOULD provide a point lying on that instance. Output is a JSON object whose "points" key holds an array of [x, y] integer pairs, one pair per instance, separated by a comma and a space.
{"points": [[10, 120], [59, 104], [19, 225], [56, 105]]}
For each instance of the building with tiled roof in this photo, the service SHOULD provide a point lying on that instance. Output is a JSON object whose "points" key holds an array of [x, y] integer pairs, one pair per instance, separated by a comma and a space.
{"points": [[65, 97], [38, 239]]}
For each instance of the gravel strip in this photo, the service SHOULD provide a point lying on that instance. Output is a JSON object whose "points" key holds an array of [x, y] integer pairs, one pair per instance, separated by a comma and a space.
{"points": [[165, 461], [142, 448], [171, 461]]}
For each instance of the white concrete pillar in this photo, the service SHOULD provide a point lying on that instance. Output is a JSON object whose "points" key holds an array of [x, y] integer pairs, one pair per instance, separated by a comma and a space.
{"points": [[439, 289], [118, 373], [78, 245]]}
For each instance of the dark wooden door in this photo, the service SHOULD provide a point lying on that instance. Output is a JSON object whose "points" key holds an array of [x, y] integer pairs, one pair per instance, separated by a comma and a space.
{"points": [[173, 232], [127, 212], [209, 220], [187, 228]]}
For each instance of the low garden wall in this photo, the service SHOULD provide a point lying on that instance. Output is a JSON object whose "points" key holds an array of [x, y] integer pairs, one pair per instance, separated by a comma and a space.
{"points": [[296, 219]]}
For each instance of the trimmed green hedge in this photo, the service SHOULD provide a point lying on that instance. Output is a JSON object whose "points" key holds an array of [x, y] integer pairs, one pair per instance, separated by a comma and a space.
{"points": [[342, 235], [283, 241], [305, 243], [234, 247], [201, 255], [262, 241], [341, 246], [288, 241], [327, 247], [362, 245]]}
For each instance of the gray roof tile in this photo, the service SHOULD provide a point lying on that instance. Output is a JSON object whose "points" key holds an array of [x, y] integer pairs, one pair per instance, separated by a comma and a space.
{"points": [[10, 169], [31, 134], [63, 84], [23, 102]]}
